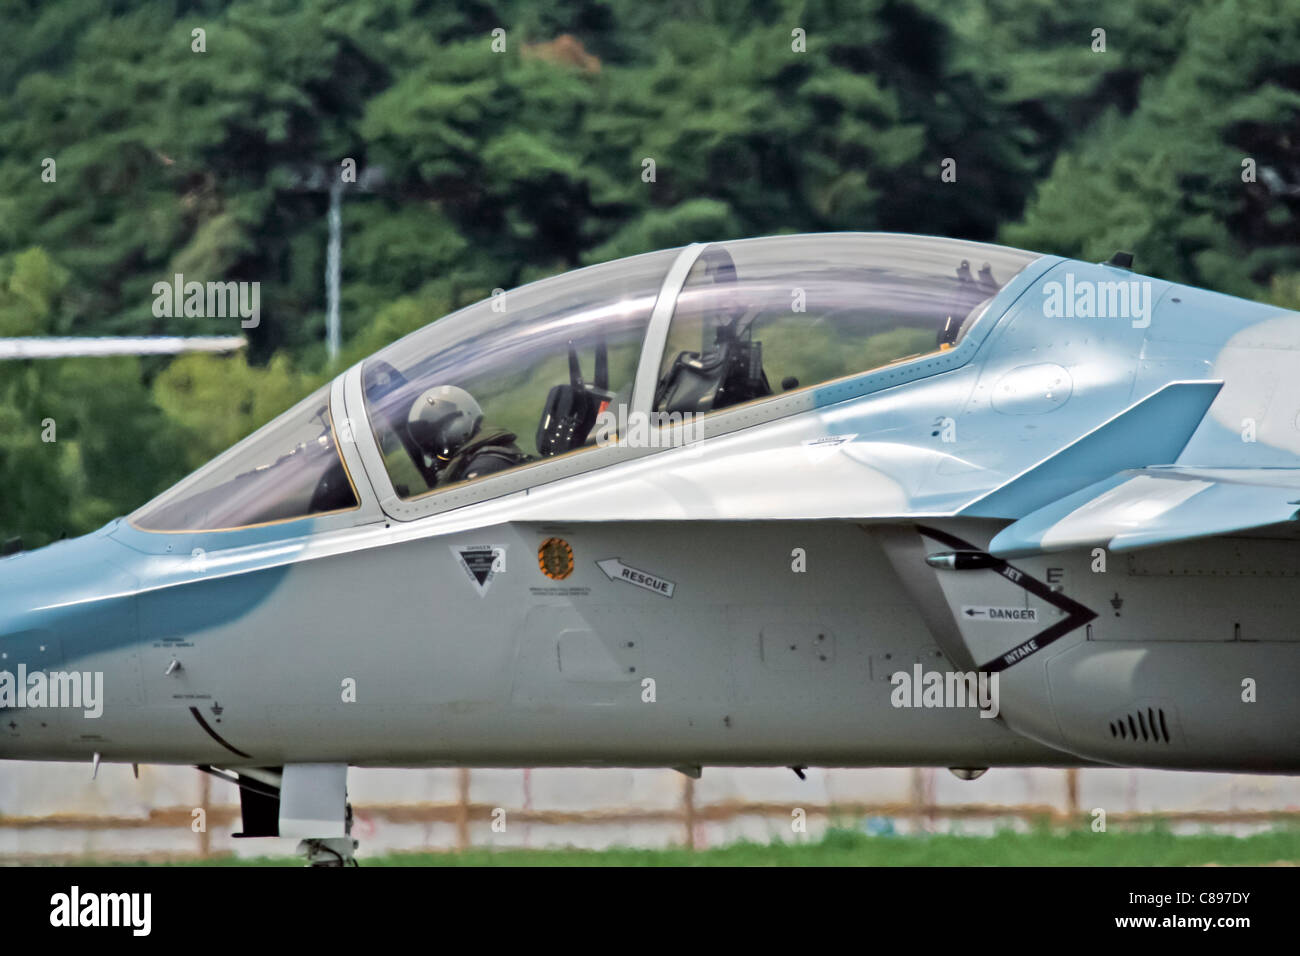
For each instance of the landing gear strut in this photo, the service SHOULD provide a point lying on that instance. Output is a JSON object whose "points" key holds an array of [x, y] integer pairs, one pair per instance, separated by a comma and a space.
{"points": [[331, 851]]}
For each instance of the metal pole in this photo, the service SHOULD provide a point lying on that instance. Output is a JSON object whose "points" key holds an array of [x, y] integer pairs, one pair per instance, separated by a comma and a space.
{"points": [[919, 803], [688, 807], [462, 812], [205, 802], [332, 333]]}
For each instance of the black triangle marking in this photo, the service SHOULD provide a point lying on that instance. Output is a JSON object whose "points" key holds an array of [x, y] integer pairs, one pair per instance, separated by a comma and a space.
{"points": [[1077, 614], [479, 564]]}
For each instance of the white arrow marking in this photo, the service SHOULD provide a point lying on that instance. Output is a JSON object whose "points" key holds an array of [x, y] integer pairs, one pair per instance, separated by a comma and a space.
{"points": [[616, 570]]}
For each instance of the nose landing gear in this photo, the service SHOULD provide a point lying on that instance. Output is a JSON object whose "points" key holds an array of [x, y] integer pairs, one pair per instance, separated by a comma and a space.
{"points": [[331, 851]]}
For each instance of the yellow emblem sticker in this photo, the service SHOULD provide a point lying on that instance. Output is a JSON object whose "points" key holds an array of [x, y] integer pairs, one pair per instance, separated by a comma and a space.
{"points": [[555, 558]]}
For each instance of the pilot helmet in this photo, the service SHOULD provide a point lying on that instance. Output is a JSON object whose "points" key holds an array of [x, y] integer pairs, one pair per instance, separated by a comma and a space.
{"points": [[443, 419]]}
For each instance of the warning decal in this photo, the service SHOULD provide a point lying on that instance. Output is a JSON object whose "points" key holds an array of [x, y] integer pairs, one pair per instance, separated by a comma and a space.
{"points": [[482, 563], [1007, 615]]}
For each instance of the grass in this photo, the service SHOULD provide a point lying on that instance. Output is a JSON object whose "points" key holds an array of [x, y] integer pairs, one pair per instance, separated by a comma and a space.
{"points": [[1153, 846]]}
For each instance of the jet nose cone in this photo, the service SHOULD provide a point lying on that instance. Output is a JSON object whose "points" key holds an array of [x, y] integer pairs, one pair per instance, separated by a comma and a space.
{"points": [[36, 585], [27, 649], [63, 609]]}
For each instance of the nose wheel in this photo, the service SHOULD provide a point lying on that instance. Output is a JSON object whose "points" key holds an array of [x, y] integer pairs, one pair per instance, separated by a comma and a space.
{"points": [[331, 851]]}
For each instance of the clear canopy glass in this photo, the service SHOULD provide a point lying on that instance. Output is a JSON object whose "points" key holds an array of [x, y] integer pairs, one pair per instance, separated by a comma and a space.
{"points": [[289, 468], [760, 317], [514, 379], [525, 375]]}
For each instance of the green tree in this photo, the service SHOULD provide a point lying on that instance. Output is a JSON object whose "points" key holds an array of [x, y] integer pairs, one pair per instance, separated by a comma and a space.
{"points": [[80, 440], [1166, 182]]}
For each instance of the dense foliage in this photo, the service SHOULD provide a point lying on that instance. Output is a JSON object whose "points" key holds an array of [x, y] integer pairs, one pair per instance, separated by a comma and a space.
{"points": [[481, 168]]}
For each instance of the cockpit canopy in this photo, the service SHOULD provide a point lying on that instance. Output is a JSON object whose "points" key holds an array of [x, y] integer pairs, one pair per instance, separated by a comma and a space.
{"points": [[289, 468], [524, 376], [512, 352], [754, 319]]}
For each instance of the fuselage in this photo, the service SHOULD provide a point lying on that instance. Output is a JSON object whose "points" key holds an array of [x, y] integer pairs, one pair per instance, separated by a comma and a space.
{"points": [[745, 599]]}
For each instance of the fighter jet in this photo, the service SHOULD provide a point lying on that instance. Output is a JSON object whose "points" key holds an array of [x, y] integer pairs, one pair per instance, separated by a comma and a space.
{"points": [[843, 500]]}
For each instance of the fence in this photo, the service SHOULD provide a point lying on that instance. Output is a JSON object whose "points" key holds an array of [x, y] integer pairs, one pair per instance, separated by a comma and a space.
{"points": [[55, 812]]}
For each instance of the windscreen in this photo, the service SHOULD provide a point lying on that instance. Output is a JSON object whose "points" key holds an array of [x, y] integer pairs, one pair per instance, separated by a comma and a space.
{"points": [[290, 468]]}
